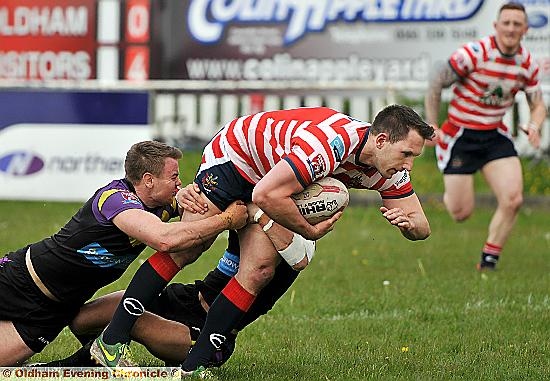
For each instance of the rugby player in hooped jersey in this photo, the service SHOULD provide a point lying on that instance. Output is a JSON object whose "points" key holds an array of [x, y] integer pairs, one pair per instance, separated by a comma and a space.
{"points": [[265, 158], [486, 75]]}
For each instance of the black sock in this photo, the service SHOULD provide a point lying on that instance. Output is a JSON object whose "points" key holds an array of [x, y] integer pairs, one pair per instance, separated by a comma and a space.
{"points": [[223, 316], [146, 285], [79, 358], [85, 338], [489, 260]]}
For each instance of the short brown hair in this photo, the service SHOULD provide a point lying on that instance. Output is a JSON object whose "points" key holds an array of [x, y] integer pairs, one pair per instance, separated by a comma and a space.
{"points": [[512, 5], [397, 121], [148, 156]]}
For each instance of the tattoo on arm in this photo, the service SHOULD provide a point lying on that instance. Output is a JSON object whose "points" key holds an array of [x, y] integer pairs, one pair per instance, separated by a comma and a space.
{"points": [[447, 76], [444, 77]]}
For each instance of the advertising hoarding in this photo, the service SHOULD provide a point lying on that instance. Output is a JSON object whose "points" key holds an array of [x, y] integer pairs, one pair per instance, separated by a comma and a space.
{"points": [[62, 146], [47, 39], [386, 40]]}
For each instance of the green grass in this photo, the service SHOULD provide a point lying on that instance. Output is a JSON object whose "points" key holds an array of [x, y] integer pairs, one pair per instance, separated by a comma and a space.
{"points": [[437, 319]]}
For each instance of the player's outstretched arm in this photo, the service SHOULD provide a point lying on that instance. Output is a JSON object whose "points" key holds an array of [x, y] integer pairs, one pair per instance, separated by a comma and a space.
{"points": [[179, 236], [444, 77], [408, 216]]}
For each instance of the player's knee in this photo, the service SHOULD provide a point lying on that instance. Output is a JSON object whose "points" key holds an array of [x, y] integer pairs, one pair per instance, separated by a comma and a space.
{"points": [[460, 215], [512, 203], [75, 327], [302, 264], [262, 276], [459, 212], [183, 259]]}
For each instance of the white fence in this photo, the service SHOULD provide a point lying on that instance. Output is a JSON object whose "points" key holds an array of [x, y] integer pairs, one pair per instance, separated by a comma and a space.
{"points": [[189, 113], [188, 116]]}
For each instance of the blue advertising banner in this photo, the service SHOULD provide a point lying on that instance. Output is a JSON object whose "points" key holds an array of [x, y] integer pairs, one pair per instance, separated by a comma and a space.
{"points": [[64, 145]]}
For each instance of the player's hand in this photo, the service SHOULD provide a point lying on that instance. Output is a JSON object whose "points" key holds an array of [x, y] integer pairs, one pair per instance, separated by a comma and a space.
{"points": [[435, 139], [189, 199], [235, 215], [397, 217], [533, 134], [320, 229]]}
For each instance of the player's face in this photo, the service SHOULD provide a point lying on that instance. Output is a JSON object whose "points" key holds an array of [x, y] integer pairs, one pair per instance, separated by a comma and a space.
{"points": [[167, 184], [510, 28], [398, 156]]}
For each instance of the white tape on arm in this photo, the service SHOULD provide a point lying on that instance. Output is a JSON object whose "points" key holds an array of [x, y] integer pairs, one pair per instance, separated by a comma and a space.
{"points": [[259, 213], [297, 250], [309, 246], [268, 225]]}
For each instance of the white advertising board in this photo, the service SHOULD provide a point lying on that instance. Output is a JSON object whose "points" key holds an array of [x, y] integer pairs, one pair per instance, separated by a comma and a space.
{"points": [[63, 162], [383, 40]]}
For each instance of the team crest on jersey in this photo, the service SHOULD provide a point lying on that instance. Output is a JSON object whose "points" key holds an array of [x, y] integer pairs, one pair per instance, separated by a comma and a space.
{"points": [[355, 180], [129, 198], [459, 60], [494, 97], [338, 148], [318, 166], [209, 182]]}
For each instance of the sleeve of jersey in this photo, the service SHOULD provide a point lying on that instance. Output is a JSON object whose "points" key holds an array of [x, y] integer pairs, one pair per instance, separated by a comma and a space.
{"points": [[462, 61], [400, 187], [112, 202], [310, 163]]}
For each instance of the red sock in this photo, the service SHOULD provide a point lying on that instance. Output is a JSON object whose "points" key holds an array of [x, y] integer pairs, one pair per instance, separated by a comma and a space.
{"points": [[492, 249], [164, 265], [237, 295]]}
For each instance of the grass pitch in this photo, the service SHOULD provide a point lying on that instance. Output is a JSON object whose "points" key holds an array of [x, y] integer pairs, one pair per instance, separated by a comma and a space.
{"points": [[373, 305]]}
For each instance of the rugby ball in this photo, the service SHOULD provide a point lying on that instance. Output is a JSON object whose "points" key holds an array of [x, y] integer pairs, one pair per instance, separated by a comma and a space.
{"points": [[322, 199]]}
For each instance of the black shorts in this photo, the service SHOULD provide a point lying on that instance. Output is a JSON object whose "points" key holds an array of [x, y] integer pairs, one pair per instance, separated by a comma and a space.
{"points": [[180, 302], [37, 319], [222, 184], [473, 149]]}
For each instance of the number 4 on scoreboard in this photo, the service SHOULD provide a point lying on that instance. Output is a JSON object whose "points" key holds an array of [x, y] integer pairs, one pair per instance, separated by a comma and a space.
{"points": [[136, 63]]}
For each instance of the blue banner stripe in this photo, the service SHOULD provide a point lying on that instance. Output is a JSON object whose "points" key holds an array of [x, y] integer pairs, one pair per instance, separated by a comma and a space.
{"points": [[73, 107]]}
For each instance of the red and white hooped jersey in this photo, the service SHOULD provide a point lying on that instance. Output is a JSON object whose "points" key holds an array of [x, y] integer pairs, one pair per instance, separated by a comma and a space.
{"points": [[489, 82], [315, 141]]}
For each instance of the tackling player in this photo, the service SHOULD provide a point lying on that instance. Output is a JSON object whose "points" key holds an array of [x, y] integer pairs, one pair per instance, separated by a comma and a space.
{"points": [[45, 283]]}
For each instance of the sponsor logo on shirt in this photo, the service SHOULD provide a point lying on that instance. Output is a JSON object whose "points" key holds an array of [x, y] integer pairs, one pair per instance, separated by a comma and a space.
{"points": [[402, 180], [4, 260], [338, 148]]}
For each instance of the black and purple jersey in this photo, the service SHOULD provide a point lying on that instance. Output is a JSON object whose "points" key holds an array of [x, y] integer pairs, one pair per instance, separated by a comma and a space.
{"points": [[90, 252]]}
